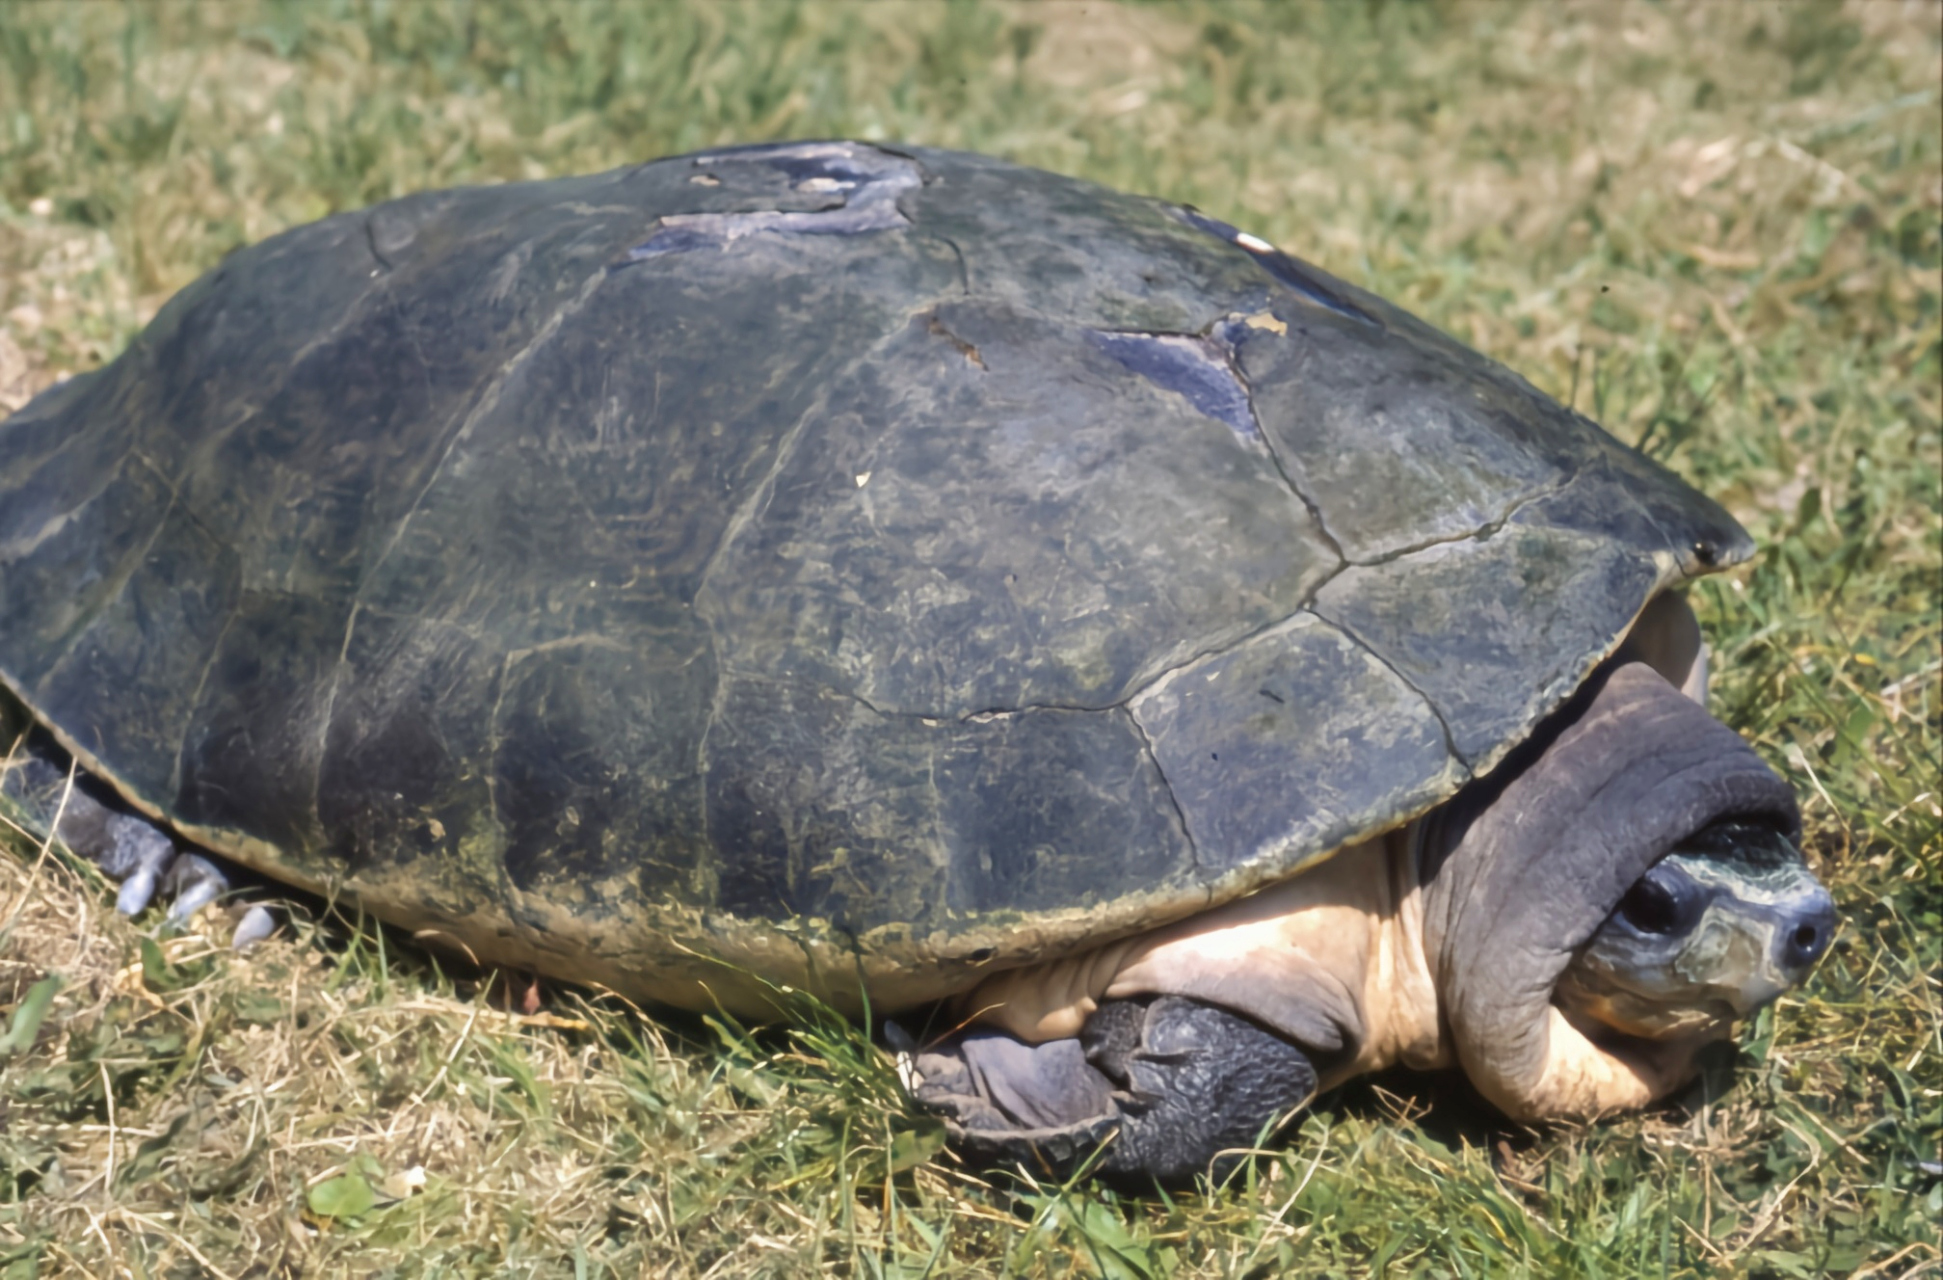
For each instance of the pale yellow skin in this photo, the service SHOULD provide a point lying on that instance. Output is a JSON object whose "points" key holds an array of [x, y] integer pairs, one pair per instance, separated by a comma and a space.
{"points": [[1353, 928]]}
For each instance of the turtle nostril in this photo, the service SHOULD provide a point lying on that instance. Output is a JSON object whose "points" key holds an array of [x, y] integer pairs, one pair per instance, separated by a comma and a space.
{"points": [[1805, 943], [1802, 944]]}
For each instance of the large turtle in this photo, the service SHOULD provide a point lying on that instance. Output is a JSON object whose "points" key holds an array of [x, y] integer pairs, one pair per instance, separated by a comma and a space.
{"points": [[903, 576]]}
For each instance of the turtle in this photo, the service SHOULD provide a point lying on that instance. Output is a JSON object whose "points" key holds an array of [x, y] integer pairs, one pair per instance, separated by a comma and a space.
{"points": [[917, 581]]}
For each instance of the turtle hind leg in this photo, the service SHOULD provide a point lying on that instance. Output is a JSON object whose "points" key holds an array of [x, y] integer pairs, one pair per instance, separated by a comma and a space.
{"points": [[1173, 1087], [129, 849]]}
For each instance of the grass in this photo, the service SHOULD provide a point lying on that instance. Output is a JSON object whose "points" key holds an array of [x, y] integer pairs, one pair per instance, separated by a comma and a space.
{"points": [[1715, 227]]}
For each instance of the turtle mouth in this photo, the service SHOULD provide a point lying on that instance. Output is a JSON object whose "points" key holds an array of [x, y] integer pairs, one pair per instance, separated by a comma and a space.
{"points": [[1611, 1015]]}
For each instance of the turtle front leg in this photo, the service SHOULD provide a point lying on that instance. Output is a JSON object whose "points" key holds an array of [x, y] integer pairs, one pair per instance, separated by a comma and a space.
{"points": [[1168, 1083]]}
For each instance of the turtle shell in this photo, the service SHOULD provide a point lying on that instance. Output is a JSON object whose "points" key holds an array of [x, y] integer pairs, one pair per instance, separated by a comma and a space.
{"points": [[838, 565]]}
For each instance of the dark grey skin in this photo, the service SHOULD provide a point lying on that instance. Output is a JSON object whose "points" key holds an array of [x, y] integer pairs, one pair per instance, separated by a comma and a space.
{"points": [[144, 860], [857, 568], [1169, 1088], [1723, 915]]}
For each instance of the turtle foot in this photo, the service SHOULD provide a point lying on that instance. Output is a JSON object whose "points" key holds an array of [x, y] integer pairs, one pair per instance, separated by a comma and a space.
{"points": [[1163, 1088], [127, 848]]}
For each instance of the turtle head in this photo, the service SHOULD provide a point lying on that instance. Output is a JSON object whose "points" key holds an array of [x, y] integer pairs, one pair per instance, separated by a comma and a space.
{"points": [[1729, 919], [1614, 900]]}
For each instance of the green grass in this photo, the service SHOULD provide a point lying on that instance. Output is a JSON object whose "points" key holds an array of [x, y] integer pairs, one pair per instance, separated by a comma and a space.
{"points": [[1714, 226]]}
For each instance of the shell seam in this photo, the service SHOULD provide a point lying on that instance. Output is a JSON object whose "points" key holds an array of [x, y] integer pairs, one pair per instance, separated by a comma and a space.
{"points": [[1489, 528], [1167, 783], [129, 566], [1450, 740]]}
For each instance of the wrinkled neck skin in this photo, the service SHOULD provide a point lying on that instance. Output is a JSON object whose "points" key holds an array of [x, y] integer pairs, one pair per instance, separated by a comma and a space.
{"points": [[1442, 943], [1521, 870]]}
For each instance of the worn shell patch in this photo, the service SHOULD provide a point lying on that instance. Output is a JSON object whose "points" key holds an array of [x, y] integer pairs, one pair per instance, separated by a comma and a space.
{"points": [[862, 182], [1196, 367]]}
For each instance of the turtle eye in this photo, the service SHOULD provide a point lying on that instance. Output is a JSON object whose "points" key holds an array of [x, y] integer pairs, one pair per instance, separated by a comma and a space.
{"points": [[1649, 908]]}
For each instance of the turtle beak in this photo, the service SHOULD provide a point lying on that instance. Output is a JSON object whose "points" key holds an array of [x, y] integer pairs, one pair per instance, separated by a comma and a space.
{"points": [[1794, 932], [1767, 920]]}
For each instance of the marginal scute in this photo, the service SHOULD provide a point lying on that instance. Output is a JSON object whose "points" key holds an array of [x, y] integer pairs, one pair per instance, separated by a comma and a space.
{"points": [[406, 715], [895, 823], [1281, 749], [253, 745], [1460, 620], [593, 767]]}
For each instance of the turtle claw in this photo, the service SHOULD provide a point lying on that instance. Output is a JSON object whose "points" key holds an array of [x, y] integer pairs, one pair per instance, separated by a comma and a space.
{"points": [[256, 925], [904, 1049], [193, 883], [136, 854], [137, 892]]}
